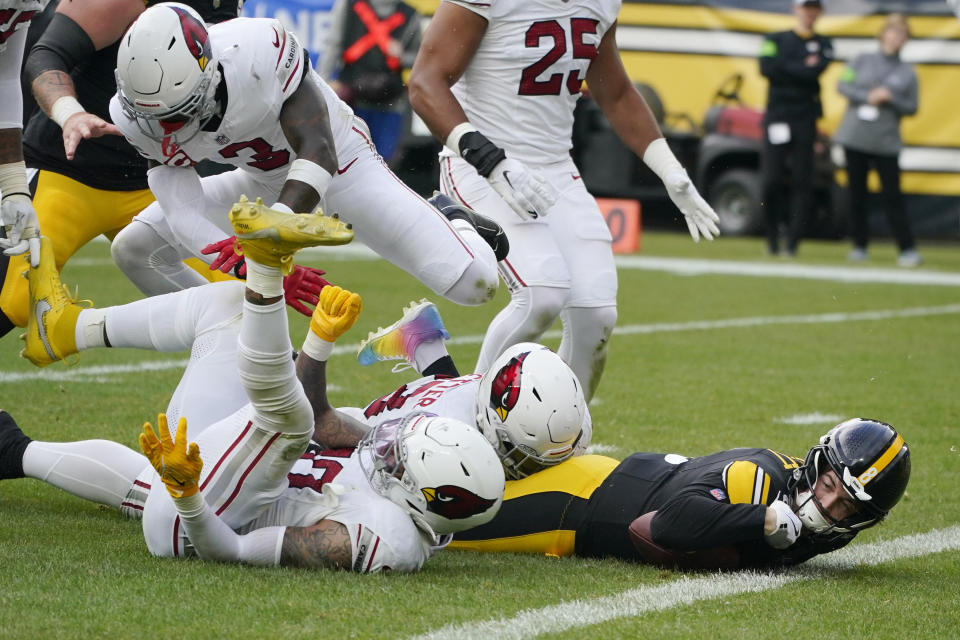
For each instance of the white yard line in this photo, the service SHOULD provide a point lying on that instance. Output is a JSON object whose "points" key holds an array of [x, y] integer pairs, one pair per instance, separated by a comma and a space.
{"points": [[685, 266], [102, 373], [811, 418], [694, 267], [686, 590]]}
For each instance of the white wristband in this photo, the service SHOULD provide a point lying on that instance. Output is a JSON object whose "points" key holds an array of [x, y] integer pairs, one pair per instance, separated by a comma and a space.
{"points": [[660, 158], [453, 140], [310, 173], [63, 108], [13, 179], [316, 347]]}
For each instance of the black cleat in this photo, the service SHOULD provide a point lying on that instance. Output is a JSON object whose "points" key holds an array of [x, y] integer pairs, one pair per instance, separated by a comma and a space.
{"points": [[490, 231], [13, 443]]}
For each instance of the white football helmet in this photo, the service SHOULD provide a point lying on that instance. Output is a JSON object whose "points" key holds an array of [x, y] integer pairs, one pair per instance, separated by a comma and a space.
{"points": [[166, 74], [440, 470], [531, 408]]}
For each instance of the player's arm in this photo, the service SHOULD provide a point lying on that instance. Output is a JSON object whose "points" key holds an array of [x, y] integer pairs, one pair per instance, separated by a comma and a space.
{"points": [[630, 117], [306, 125], [335, 313], [332, 429], [448, 46], [77, 31], [17, 215]]}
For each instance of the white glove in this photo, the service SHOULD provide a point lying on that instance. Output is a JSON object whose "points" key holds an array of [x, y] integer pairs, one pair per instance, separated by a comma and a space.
{"points": [[700, 216], [23, 230], [788, 526], [527, 193]]}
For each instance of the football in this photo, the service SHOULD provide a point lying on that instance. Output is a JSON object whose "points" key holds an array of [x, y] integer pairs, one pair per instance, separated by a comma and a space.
{"points": [[713, 559]]}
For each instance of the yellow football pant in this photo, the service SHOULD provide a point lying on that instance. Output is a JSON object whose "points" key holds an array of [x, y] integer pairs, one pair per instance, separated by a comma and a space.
{"points": [[71, 214], [533, 517]]}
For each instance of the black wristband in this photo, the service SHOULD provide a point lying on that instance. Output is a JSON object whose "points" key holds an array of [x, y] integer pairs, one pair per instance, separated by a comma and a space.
{"points": [[480, 152]]}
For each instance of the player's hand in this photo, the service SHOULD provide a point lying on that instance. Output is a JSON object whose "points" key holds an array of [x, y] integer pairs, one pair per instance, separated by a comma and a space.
{"points": [[179, 466], [528, 193], [83, 126], [303, 287], [701, 218], [787, 528], [336, 312], [227, 260], [23, 231]]}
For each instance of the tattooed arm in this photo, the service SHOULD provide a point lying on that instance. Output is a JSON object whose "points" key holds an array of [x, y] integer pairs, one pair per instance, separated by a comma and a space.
{"points": [[332, 429], [325, 544], [75, 33]]}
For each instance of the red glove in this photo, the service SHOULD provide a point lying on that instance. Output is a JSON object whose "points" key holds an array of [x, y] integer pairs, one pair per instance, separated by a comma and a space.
{"points": [[303, 285], [227, 261]]}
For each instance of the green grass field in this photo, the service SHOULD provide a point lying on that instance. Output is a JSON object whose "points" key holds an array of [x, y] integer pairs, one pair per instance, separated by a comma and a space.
{"points": [[766, 367]]}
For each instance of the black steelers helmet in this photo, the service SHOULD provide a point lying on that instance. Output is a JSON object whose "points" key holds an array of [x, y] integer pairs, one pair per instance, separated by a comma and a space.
{"points": [[873, 464]]}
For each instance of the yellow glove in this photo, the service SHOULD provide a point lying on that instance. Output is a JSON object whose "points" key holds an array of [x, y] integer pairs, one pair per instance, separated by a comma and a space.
{"points": [[336, 312], [178, 466]]}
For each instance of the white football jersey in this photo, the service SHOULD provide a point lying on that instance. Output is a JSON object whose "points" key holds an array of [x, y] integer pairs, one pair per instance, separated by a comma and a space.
{"points": [[331, 485], [523, 82], [448, 397], [263, 65], [16, 15]]}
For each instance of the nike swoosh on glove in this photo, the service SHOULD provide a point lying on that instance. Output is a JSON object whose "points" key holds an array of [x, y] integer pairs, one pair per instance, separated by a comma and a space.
{"points": [[527, 192], [788, 526], [701, 218]]}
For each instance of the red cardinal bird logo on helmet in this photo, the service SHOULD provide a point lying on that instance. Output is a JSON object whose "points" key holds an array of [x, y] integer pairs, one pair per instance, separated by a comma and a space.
{"points": [[505, 389], [455, 503], [196, 36]]}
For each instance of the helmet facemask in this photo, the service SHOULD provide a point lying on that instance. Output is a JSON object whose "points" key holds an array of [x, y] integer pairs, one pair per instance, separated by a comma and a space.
{"points": [[814, 516], [181, 123]]}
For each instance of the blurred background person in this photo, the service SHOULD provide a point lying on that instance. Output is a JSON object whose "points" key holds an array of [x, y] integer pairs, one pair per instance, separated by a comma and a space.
{"points": [[792, 62], [371, 43], [881, 89]]}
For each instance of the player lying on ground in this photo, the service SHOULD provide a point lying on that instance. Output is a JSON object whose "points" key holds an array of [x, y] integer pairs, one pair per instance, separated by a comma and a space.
{"points": [[242, 93], [529, 404], [253, 488], [741, 508]]}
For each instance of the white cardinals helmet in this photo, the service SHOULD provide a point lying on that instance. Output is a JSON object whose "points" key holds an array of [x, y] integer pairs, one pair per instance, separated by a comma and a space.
{"points": [[440, 470]]}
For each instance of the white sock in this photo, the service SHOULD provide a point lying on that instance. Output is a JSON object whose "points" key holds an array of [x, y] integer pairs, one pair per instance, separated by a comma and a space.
{"points": [[98, 470], [429, 352], [263, 279], [90, 332]]}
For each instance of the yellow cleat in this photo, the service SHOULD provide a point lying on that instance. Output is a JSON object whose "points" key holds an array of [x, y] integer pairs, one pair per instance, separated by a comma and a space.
{"points": [[52, 322], [272, 237]]}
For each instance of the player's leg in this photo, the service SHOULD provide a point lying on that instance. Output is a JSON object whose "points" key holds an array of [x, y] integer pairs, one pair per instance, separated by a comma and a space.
{"points": [[70, 214], [534, 271], [591, 311], [449, 257], [247, 455], [540, 513], [97, 470]]}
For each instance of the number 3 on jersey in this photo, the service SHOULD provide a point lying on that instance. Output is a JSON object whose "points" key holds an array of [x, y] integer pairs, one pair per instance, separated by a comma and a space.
{"points": [[552, 85]]}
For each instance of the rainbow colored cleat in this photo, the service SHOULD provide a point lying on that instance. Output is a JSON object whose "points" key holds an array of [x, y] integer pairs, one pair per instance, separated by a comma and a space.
{"points": [[420, 323]]}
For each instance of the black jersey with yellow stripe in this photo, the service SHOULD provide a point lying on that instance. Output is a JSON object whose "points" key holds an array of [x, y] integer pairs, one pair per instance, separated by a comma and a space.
{"points": [[704, 502]]}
